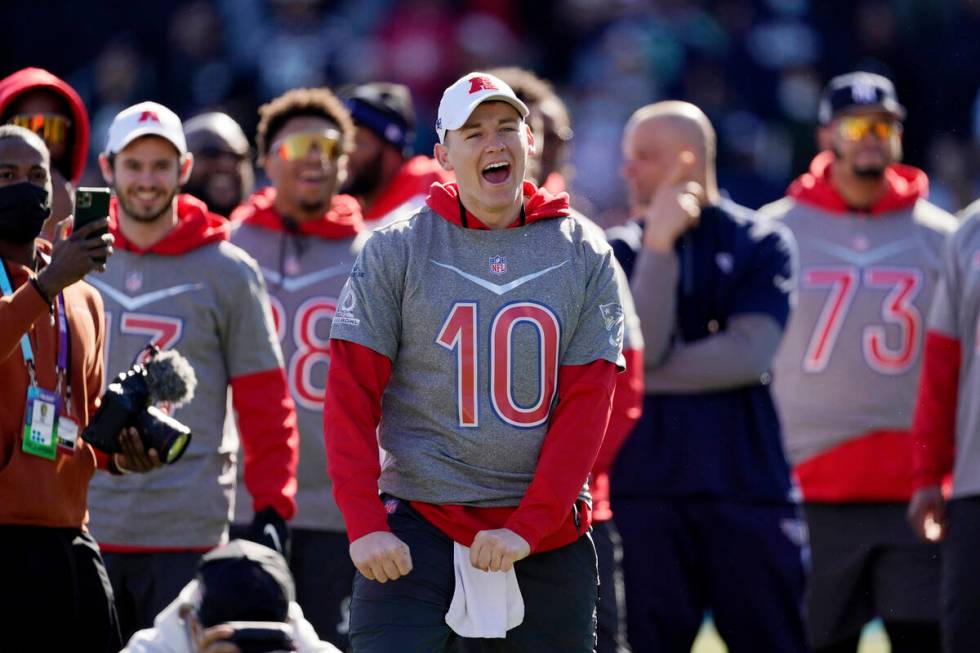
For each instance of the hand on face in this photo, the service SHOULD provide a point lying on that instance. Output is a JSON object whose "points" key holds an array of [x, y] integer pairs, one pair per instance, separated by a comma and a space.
{"points": [[676, 205]]}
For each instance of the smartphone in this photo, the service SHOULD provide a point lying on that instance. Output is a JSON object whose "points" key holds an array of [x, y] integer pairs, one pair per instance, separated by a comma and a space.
{"points": [[261, 636], [91, 204]]}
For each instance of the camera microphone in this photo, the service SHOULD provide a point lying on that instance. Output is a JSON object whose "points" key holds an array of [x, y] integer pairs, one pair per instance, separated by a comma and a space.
{"points": [[169, 377], [128, 402]]}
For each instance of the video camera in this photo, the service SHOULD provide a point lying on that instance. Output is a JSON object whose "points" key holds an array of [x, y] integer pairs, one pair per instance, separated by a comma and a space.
{"points": [[127, 402]]}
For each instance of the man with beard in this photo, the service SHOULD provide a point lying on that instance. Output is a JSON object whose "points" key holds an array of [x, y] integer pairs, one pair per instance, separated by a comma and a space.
{"points": [[222, 175], [52, 337], [35, 99], [177, 283], [387, 180], [846, 376], [302, 234]]}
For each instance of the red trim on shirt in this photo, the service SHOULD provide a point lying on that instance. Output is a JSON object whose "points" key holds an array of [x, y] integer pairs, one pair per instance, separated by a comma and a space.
{"points": [[934, 426], [904, 185], [841, 473], [544, 517], [626, 410], [413, 178], [270, 439], [539, 204], [342, 220]]}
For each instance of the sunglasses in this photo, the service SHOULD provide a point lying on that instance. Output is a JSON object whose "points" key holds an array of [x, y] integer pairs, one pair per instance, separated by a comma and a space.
{"points": [[855, 128], [297, 146], [52, 127]]}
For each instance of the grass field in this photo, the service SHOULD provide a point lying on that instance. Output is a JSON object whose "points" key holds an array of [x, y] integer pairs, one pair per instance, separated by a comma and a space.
{"points": [[873, 640]]}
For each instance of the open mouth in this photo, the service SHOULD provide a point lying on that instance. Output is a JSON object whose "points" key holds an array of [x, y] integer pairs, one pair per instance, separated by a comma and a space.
{"points": [[496, 173], [311, 176], [147, 195]]}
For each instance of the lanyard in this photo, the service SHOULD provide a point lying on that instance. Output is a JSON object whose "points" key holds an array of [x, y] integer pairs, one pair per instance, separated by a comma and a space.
{"points": [[25, 342]]}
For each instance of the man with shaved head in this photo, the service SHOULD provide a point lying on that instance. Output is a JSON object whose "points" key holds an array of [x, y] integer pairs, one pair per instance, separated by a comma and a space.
{"points": [[222, 175], [701, 487]]}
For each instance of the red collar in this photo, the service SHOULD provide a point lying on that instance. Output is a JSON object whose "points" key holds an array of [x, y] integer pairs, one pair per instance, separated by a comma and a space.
{"points": [[414, 178], [905, 185], [539, 204], [342, 220], [196, 227]]}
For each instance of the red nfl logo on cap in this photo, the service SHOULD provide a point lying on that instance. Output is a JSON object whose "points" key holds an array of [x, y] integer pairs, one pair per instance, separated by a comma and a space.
{"points": [[498, 265]]}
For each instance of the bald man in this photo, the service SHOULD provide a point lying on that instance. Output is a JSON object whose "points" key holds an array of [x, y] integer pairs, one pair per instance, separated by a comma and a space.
{"points": [[222, 175], [701, 487]]}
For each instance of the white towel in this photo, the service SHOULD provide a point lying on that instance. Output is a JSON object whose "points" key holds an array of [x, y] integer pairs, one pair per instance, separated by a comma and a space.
{"points": [[485, 603]]}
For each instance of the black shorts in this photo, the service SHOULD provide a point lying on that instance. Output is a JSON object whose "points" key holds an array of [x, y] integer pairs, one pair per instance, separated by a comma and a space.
{"points": [[408, 615], [866, 563]]}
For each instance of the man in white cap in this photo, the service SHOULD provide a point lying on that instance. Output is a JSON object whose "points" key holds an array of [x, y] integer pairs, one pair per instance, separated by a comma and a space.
{"points": [[177, 283], [484, 335]]}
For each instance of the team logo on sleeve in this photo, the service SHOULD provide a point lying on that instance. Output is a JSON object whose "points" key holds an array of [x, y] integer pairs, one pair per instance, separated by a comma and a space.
{"points": [[612, 318], [498, 265], [345, 309]]}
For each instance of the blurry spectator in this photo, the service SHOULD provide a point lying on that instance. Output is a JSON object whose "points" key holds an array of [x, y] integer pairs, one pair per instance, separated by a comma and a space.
{"points": [[946, 431], [302, 234], [845, 378], [389, 182], [239, 582], [176, 282], [701, 488], [222, 175], [36, 99], [197, 74]]}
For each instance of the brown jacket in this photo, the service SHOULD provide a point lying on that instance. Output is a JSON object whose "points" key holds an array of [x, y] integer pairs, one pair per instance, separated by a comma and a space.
{"points": [[33, 490]]}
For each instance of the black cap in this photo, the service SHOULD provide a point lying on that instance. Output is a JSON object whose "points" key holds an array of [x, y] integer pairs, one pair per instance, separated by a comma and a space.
{"points": [[244, 581], [386, 109], [859, 90]]}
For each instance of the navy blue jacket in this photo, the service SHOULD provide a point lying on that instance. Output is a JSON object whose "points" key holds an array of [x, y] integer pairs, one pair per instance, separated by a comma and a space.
{"points": [[720, 444]]}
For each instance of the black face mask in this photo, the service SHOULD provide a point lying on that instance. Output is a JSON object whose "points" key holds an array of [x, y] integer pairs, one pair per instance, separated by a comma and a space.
{"points": [[23, 209]]}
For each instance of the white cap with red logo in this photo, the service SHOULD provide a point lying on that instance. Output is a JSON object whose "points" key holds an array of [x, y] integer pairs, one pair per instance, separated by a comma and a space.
{"points": [[145, 119], [469, 92]]}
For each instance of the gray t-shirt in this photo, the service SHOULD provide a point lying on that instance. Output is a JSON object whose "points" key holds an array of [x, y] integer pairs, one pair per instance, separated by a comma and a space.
{"points": [[477, 324]]}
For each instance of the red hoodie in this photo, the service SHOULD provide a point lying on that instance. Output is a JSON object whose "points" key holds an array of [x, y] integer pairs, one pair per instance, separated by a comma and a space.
{"points": [[29, 79], [841, 472], [357, 379], [413, 179], [343, 220], [196, 227], [904, 185]]}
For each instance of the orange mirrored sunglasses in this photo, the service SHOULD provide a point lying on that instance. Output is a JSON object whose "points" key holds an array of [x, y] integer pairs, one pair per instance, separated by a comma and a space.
{"points": [[297, 146], [52, 127], [855, 128]]}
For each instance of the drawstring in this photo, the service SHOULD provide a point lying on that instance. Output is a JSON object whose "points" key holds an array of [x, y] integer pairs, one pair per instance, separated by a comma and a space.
{"points": [[290, 233]]}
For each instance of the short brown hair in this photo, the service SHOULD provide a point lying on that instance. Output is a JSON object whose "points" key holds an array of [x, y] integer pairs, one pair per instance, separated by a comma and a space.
{"points": [[317, 102], [534, 91]]}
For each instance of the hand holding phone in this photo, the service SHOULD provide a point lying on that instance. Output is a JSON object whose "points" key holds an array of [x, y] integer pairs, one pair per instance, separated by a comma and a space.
{"points": [[91, 204]]}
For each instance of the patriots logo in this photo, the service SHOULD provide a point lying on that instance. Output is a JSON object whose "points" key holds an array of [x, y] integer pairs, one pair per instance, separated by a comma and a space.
{"points": [[498, 265]]}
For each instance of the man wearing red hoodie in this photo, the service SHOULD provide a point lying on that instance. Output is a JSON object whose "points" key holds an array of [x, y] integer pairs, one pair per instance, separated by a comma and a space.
{"points": [[846, 376], [302, 234], [177, 283], [387, 180], [484, 335], [37, 100]]}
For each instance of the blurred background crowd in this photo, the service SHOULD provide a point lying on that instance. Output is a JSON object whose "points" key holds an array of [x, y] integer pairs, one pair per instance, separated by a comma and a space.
{"points": [[755, 66]]}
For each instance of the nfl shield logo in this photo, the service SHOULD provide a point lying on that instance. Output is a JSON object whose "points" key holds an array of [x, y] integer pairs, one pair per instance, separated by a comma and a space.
{"points": [[498, 265], [134, 280]]}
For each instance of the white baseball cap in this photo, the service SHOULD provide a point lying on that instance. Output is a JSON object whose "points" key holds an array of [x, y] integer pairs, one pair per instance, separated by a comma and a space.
{"points": [[469, 92], [145, 119]]}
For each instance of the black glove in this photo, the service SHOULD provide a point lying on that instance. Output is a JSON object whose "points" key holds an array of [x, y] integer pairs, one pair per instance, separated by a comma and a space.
{"points": [[269, 529]]}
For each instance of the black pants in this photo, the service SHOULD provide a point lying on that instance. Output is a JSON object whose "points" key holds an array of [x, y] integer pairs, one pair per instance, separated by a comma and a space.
{"points": [[323, 571], [146, 583], [409, 615], [611, 624], [961, 571], [54, 592]]}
